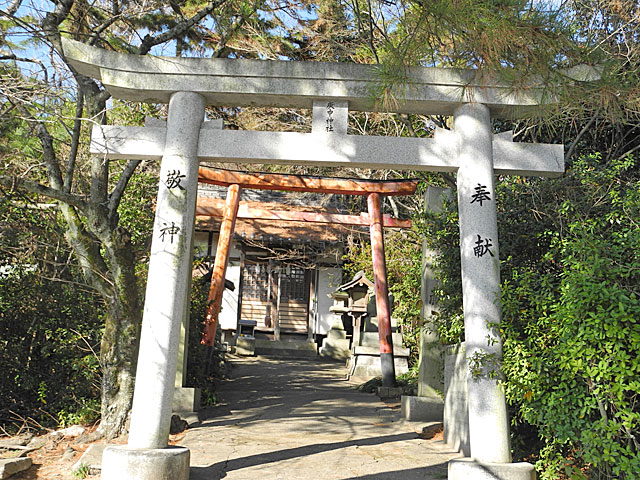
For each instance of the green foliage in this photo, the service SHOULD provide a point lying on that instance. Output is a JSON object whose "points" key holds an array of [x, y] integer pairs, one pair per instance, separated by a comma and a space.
{"points": [[441, 234], [81, 471], [48, 325], [49, 371], [571, 326], [205, 364], [136, 211]]}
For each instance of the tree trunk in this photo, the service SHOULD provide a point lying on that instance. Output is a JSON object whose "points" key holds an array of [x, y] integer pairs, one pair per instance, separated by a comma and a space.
{"points": [[112, 273], [121, 338]]}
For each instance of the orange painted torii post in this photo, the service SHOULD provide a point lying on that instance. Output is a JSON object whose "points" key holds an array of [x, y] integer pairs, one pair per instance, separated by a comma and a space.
{"points": [[301, 183], [214, 300]]}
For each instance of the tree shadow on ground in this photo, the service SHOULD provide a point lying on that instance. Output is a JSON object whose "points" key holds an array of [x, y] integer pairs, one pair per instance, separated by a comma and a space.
{"points": [[432, 472], [219, 469], [260, 390]]}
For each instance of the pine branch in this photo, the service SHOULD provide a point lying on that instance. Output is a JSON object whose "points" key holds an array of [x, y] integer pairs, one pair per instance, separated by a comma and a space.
{"points": [[222, 50], [178, 30]]}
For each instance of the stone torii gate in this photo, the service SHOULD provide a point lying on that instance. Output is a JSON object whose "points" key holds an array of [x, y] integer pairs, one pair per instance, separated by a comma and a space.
{"points": [[330, 89]]}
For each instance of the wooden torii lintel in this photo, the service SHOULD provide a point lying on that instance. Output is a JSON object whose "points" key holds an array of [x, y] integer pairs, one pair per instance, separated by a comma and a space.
{"points": [[215, 207], [304, 183]]}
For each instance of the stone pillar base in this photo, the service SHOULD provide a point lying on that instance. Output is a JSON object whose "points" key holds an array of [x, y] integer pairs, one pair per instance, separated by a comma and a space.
{"points": [[421, 409], [186, 399], [246, 346], [470, 469], [121, 462]]}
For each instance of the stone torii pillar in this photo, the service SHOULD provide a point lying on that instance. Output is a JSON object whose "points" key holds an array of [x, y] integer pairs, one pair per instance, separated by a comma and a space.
{"points": [[146, 456], [480, 263]]}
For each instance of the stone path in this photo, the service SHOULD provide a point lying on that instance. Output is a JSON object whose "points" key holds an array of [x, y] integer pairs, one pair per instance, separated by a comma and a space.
{"points": [[299, 419]]}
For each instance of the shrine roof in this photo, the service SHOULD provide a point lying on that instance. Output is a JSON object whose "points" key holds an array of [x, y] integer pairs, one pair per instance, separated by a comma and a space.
{"points": [[281, 232], [295, 84]]}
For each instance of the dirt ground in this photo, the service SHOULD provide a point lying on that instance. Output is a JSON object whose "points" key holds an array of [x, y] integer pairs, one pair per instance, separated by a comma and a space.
{"points": [[52, 460], [57, 456]]}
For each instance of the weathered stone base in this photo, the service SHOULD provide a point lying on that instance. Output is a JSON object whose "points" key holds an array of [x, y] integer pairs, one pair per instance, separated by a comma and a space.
{"points": [[337, 350], [470, 469], [10, 466], [388, 392], [427, 409], [122, 462], [336, 345], [246, 346], [456, 407], [186, 399], [365, 362], [91, 459]]}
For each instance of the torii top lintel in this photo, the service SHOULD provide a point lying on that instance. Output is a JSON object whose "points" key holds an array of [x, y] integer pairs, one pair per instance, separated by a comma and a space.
{"points": [[295, 84], [305, 183]]}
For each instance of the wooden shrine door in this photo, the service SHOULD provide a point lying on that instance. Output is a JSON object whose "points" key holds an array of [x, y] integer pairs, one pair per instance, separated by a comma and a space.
{"points": [[272, 292]]}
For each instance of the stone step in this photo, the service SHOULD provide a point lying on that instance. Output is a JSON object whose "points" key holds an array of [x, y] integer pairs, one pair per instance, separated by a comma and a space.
{"points": [[286, 349], [375, 351], [11, 466], [372, 339]]}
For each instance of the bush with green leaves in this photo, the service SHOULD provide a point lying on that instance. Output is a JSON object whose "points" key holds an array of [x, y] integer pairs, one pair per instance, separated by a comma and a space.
{"points": [[49, 326]]}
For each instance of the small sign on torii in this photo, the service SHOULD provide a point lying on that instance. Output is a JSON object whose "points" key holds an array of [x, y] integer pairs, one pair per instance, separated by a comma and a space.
{"points": [[331, 89]]}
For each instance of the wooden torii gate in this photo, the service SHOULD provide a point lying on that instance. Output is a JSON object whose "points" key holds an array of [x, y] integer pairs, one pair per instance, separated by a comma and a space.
{"points": [[235, 181]]}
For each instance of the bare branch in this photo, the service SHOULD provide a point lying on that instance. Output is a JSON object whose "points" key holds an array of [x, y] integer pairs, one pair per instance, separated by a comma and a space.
{"points": [[116, 194], [75, 142], [52, 21], [13, 183], [406, 120], [106, 24], [13, 8], [575, 141], [371, 36]]}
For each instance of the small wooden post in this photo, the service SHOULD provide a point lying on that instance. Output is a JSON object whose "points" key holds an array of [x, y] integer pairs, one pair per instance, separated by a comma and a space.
{"points": [[276, 319], [311, 303], [382, 293], [216, 290]]}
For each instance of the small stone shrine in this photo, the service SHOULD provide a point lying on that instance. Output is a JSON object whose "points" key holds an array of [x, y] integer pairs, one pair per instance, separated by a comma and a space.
{"points": [[354, 335]]}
